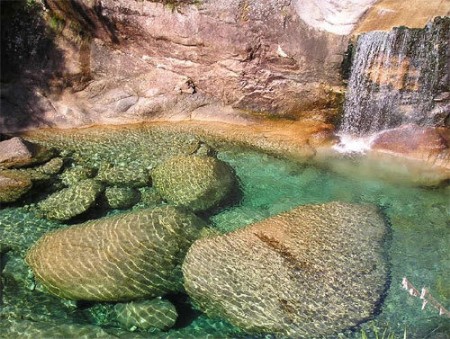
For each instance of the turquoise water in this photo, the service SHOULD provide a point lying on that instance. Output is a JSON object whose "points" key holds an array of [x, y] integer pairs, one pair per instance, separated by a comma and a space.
{"points": [[419, 219], [417, 247]]}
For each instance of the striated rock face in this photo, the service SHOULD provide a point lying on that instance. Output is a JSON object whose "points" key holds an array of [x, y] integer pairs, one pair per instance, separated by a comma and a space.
{"points": [[146, 315], [123, 257], [196, 182], [72, 201], [123, 61], [308, 272]]}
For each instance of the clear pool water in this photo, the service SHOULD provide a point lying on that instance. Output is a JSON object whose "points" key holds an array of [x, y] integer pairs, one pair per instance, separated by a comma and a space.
{"points": [[419, 226]]}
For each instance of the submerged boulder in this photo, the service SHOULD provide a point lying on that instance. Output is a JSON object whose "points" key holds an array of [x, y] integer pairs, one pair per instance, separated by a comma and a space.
{"points": [[13, 185], [121, 197], [117, 258], [155, 314], [196, 182], [308, 272], [72, 201], [75, 174], [123, 176]]}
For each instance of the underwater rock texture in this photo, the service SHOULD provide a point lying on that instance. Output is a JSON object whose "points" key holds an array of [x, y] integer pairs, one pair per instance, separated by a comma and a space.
{"points": [[196, 182], [20, 300], [156, 314], [20, 228], [123, 257], [13, 185], [123, 176], [72, 201], [308, 272], [17, 329], [121, 197], [75, 174]]}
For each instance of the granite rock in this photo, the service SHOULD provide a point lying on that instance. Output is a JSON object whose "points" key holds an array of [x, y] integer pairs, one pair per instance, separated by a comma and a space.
{"points": [[309, 272], [118, 258]]}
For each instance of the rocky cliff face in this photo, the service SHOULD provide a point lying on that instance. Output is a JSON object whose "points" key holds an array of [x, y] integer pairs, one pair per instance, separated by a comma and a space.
{"points": [[81, 62], [136, 60]]}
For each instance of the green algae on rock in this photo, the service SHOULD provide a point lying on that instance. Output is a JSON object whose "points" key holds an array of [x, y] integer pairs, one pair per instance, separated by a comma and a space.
{"points": [[155, 314], [312, 271], [13, 185], [20, 228], [118, 258], [121, 197], [21, 301], [71, 201], [75, 174], [123, 176], [196, 182]]}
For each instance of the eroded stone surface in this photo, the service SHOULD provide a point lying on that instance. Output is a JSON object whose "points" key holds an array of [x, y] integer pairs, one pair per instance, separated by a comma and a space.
{"points": [[308, 272], [196, 182], [144, 61], [123, 257]]}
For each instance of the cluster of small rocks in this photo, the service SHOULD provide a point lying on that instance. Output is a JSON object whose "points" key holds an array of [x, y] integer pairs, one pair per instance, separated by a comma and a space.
{"points": [[197, 181], [132, 259]]}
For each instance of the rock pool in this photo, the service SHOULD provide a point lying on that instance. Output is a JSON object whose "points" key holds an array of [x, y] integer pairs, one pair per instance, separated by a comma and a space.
{"points": [[416, 246]]}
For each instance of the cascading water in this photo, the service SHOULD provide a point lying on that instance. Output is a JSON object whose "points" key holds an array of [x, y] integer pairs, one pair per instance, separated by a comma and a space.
{"points": [[398, 77]]}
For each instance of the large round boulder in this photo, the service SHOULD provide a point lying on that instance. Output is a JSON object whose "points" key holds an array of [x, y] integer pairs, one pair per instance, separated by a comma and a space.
{"points": [[305, 273], [124, 257], [196, 182]]}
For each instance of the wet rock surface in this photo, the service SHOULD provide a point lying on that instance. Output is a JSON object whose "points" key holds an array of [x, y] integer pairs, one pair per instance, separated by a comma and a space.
{"points": [[123, 176], [312, 271], [16, 152], [121, 197], [72, 201], [196, 182], [153, 314], [124, 257], [13, 185]]}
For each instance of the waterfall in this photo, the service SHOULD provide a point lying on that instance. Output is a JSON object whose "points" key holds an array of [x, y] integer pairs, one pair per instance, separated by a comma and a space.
{"points": [[399, 77]]}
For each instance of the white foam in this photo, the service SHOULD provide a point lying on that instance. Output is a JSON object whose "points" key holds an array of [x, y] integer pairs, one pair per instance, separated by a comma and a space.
{"points": [[351, 144]]}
